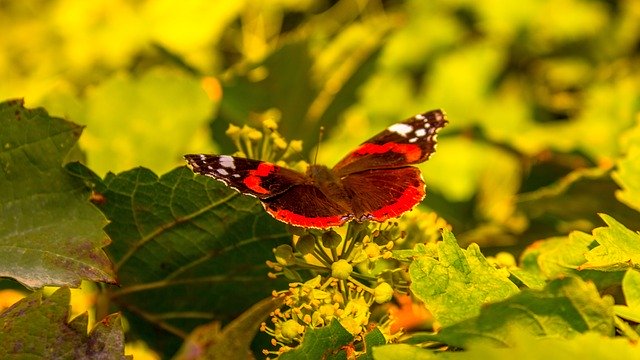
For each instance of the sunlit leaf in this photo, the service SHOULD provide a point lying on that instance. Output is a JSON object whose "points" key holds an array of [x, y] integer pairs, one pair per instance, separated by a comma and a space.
{"points": [[440, 282], [619, 247]]}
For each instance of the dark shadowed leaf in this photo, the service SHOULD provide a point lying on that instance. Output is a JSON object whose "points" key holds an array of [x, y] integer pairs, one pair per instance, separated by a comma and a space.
{"points": [[49, 233], [37, 328], [322, 343], [188, 250]]}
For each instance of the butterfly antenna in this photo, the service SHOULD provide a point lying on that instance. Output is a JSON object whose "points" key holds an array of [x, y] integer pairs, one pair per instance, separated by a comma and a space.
{"points": [[320, 134]]}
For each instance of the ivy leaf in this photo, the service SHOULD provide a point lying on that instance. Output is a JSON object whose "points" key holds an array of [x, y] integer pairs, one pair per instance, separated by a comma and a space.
{"points": [[38, 328], [440, 282], [628, 177], [322, 343], [49, 233], [183, 246], [619, 247], [565, 307]]}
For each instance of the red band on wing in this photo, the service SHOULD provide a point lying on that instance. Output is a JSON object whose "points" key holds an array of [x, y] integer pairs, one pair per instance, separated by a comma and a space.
{"points": [[411, 152], [254, 181], [409, 198], [312, 222]]}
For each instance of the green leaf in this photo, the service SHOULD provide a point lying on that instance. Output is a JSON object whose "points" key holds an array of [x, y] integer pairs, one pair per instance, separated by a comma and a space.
{"points": [[631, 290], [440, 282], [583, 346], [322, 343], [404, 351], [565, 307], [49, 233], [564, 256], [209, 342], [188, 250], [38, 328], [619, 247], [628, 177], [372, 339]]}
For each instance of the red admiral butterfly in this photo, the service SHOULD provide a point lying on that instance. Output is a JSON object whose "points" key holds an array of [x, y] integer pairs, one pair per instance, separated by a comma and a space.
{"points": [[373, 182]]}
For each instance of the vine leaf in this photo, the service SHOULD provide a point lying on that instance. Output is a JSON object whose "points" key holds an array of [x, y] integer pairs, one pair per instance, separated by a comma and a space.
{"points": [[49, 233], [46, 320], [439, 282], [187, 249]]}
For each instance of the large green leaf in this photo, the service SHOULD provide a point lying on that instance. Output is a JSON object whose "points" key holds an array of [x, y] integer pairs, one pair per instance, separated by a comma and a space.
{"points": [[188, 250], [583, 346], [49, 233], [564, 308], [440, 282], [37, 328]]}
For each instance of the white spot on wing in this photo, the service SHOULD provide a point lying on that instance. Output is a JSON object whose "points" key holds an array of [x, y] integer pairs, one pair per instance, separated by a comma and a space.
{"points": [[412, 140], [227, 161], [222, 172], [421, 132], [420, 117], [236, 175], [401, 129]]}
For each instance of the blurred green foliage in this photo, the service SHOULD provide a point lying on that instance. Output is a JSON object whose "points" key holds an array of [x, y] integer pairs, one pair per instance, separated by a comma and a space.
{"points": [[543, 96]]}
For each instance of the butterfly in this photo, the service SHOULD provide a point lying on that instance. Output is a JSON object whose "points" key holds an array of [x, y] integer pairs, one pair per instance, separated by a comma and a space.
{"points": [[373, 182]]}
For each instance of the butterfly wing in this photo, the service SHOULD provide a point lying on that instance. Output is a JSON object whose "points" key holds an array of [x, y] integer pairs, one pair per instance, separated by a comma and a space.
{"points": [[252, 177], [382, 194], [409, 142], [305, 205], [287, 195]]}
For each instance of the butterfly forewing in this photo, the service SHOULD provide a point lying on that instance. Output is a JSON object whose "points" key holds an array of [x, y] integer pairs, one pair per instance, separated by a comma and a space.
{"points": [[409, 142], [252, 177]]}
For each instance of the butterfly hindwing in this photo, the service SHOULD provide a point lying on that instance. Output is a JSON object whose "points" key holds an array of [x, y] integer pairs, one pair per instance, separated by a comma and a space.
{"points": [[409, 142], [252, 177], [382, 194]]}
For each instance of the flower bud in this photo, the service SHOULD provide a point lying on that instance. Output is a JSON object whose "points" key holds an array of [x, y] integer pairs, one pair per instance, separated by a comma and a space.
{"points": [[291, 329], [331, 239], [341, 269], [382, 293], [306, 244], [284, 255]]}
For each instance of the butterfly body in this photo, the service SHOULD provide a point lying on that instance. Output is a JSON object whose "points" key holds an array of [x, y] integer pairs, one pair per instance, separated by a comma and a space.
{"points": [[375, 182]]}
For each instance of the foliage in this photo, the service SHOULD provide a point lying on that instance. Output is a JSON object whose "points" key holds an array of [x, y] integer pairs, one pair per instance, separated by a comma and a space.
{"points": [[536, 181]]}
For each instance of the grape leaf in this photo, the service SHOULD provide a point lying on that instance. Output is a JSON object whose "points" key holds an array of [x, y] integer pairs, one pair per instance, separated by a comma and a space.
{"points": [[188, 250], [619, 247], [49, 233], [322, 343], [440, 282], [37, 328], [565, 307], [564, 256]]}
